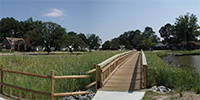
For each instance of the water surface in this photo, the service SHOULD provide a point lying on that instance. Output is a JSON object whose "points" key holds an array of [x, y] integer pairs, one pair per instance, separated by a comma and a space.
{"points": [[191, 61]]}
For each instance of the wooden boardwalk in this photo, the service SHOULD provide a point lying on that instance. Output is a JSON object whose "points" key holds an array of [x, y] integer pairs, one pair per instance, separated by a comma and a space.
{"points": [[128, 77]]}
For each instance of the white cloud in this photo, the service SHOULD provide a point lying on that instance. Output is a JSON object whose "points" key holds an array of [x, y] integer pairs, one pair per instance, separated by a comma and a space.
{"points": [[55, 13]]}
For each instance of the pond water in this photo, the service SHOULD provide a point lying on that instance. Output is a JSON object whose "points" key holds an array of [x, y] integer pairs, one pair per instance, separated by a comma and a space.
{"points": [[191, 61]]}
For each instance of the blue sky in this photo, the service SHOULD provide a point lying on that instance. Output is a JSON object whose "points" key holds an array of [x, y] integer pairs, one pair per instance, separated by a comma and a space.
{"points": [[106, 18]]}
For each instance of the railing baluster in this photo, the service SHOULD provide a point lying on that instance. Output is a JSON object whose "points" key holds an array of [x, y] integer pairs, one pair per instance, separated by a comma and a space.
{"points": [[52, 84], [1, 79]]}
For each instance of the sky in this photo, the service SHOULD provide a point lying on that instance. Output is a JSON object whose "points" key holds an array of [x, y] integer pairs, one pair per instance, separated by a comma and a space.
{"points": [[105, 18]]}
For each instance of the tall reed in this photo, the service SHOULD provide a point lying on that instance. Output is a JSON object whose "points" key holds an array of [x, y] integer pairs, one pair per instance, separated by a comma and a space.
{"points": [[62, 64], [162, 73]]}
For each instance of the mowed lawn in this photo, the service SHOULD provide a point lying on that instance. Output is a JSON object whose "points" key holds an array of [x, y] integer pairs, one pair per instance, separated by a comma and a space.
{"points": [[62, 64]]}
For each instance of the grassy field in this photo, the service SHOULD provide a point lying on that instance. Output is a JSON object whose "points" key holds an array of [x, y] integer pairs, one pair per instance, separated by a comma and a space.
{"points": [[62, 64], [161, 73]]}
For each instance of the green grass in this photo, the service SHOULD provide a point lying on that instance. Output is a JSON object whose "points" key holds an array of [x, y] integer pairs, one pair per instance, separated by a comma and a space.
{"points": [[161, 73], [188, 52], [62, 64]]}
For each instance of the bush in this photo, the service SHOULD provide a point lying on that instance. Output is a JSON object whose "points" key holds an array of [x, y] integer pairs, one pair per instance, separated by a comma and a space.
{"points": [[1, 48], [197, 90]]}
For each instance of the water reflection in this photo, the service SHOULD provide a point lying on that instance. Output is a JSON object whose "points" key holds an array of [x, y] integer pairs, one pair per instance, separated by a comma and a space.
{"points": [[192, 61]]}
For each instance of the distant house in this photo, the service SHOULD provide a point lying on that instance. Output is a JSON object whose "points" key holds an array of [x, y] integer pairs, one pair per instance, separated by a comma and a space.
{"points": [[18, 44], [160, 46], [122, 47], [193, 45]]}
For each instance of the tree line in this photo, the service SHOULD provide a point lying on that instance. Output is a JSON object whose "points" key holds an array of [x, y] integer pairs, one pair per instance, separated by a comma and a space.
{"points": [[185, 28], [133, 39], [47, 34]]}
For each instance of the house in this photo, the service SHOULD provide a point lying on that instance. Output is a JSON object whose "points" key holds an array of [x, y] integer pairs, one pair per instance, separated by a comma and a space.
{"points": [[18, 44], [122, 47], [192, 45], [160, 46]]}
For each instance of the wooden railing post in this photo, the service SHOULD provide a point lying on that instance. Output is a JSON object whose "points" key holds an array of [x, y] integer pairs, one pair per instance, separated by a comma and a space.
{"points": [[101, 80], [144, 65], [1, 79], [145, 76], [95, 66], [52, 84]]}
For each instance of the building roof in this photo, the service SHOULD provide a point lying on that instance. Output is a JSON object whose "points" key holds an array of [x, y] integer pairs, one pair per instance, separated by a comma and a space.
{"points": [[160, 45], [10, 39], [185, 43], [27, 41]]}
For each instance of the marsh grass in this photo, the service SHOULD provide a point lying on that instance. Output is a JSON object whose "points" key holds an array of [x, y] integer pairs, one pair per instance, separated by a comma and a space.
{"points": [[62, 64], [162, 73]]}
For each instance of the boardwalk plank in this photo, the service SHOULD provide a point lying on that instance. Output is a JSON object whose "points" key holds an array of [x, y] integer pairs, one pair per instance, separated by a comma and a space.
{"points": [[128, 77]]}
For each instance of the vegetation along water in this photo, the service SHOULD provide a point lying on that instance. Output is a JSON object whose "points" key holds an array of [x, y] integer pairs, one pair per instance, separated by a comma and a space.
{"points": [[62, 64], [160, 72]]}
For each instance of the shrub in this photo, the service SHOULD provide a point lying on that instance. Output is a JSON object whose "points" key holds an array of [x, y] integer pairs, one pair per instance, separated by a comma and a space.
{"points": [[1, 48], [197, 90]]}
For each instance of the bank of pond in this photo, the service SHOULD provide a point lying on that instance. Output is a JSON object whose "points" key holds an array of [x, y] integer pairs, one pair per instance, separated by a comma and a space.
{"points": [[181, 73]]}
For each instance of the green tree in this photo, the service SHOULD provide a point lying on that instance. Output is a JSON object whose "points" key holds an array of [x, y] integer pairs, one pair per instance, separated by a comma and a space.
{"points": [[123, 38], [106, 45], [148, 33], [186, 28], [28, 24], [166, 32], [149, 36], [51, 35], [9, 27], [34, 34], [76, 40], [83, 37], [147, 44], [136, 39], [93, 41], [114, 44]]}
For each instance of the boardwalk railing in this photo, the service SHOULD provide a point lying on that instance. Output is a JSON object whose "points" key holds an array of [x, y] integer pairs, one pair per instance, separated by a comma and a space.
{"points": [[52, 78], [109, 66], [144, 67]]}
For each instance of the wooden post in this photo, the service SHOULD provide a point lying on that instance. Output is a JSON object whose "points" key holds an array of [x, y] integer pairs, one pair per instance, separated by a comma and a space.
{"points": [[1, 79], [52, 84], [101, 81], [109, 70], [145, 76], [95, 65]]}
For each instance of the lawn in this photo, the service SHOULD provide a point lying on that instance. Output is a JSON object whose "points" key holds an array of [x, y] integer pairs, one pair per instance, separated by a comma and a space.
{"points": [[62, 64]]}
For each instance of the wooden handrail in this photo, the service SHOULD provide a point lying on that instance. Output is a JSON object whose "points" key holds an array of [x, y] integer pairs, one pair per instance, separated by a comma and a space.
{"points": [[90, 71], [52, 77], [70, 93], [112, 58], [91, 84], [144, 65], [71, 77], [144, 61], [25, 73], [109, 66], [28, 90]]}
